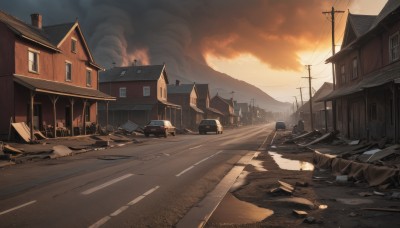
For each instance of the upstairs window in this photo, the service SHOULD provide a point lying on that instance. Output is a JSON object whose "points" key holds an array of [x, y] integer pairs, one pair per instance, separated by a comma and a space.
{"points": [[146, 91], [122, 92], [68, 71], [343, 74], [88, 78], [73, 45], [33, 61], [354, 74], [394, 47]]}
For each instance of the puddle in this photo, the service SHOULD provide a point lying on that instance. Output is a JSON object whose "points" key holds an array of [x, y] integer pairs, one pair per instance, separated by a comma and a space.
{"points": [[257, 164], [323, 206], [289, 164], [233, 211], [241, 180]]}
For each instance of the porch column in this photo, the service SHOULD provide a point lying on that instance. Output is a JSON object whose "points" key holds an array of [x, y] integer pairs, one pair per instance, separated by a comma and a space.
{"points": [[83, 116], [175, 117], [326, 117], [107, 114], [72, 101], [32, 101], [54, 101], [394, 111], [170, 113]]}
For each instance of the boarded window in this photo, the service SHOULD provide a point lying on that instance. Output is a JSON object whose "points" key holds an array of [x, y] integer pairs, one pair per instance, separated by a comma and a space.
{"points": [[394, 47], [122, 92], [146, 91], [33, 61], [68, 71]]}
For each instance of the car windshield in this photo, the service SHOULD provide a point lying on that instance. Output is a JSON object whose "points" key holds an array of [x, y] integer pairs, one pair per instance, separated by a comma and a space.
{"points": [[156, 123], [207, 122]]}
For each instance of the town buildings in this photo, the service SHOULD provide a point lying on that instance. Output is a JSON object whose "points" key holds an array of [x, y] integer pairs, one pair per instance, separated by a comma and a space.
{"points": [[48, 77], [203, 102], [366, 97]]}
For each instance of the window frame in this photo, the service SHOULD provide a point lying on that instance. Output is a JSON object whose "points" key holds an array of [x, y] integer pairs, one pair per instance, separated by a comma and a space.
{"points": [[394, 49], [354, 68], [30, 66], [74, 43], [68, 79], [146, 91], [122, 92], [89, 76]]}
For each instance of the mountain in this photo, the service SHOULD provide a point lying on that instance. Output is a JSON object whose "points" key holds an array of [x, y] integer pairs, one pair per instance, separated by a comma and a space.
{"points": [[223, 84]]}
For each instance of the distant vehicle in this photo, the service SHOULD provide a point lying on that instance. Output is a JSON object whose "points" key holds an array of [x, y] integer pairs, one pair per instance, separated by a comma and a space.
{"points": [[210, 125], [280, 125], [159, 127]]}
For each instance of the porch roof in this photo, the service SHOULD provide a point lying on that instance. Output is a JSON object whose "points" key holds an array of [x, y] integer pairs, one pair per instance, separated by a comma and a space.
{"points": [[215, 111], [58, 88], [196, 109], [169, 104], [383, 76]]}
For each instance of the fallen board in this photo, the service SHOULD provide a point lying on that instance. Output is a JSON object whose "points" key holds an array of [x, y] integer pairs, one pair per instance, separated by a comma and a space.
{"points": [[23, 131], [320, 139]]}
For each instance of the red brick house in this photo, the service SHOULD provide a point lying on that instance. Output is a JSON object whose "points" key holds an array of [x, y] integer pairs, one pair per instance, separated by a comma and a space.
{"points": [[366, 96], [226, 107], [48, 77], [141, 93], [203, 102], [186, 95]]}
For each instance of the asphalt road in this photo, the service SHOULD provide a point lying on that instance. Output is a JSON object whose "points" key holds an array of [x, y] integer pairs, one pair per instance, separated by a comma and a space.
{"points": [[151, 184]]}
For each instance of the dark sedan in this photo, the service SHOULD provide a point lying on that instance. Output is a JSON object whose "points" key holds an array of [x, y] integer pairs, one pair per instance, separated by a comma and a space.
{"points": [[210, 125], [159, 127]]}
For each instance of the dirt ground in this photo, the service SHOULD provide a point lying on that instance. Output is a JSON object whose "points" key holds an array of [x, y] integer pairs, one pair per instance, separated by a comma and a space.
{"points": [[327, 202]]}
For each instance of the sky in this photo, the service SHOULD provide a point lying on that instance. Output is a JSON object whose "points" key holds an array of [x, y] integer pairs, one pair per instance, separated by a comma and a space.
{"points": [[263, 42]]}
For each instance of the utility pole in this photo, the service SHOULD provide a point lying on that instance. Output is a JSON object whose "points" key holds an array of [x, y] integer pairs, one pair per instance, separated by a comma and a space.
{"points": [[310, 101], [297, 104], [332, 13], [301, 95]]}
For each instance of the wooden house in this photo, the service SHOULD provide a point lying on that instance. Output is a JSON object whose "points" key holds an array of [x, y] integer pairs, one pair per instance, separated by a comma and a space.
{"points": [[186, 96], [203, 102], [48, 77], [141, 93], [224, 106], [366, 96]]}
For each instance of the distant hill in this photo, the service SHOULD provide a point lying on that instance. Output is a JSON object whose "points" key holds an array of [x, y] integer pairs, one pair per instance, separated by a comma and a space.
{"points": [[224, 85]]}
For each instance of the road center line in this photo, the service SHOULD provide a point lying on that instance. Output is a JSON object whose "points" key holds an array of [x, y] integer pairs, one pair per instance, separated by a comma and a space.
{"points": [[195, 147], [90, 191], [18, 207], [203, 160], [123, 208]]}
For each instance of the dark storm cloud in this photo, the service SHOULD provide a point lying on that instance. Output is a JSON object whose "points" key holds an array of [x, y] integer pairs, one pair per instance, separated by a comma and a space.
{"points": [[158, 31]]}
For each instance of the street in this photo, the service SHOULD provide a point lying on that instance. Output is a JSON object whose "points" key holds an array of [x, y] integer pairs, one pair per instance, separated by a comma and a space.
{"points": [[151, 184]]}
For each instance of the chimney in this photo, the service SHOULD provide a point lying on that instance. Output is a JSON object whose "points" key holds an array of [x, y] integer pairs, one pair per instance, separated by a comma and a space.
{"points": [[36, 20], [177, 82]]}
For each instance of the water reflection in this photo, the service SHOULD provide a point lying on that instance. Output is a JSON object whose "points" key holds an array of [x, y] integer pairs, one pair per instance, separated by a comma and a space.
{"points": [[289, 164]]}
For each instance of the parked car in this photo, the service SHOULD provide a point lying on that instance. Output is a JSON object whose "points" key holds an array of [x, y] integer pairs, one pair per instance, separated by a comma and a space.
{"points": [[210, 125], [280, 125], [159, 127]]}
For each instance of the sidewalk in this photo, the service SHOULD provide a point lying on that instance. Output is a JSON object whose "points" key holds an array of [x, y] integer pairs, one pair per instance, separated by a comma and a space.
{"points": [[15, 153]]}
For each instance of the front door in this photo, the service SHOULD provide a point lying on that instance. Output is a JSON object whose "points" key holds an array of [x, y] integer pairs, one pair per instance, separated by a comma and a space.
{"points": [[68, 117]]}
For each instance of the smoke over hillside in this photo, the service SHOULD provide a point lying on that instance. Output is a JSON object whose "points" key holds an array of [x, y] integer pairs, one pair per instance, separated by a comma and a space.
{"points": [[181, 33]]}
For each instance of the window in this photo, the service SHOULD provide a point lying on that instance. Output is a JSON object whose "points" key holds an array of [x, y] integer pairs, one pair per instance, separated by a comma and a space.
{"points": [[354, 69], [146, 91], [68, 71], [73, 45], [394, 47], [88, 78], [122, 92], [343, 74], [33, 57]]}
